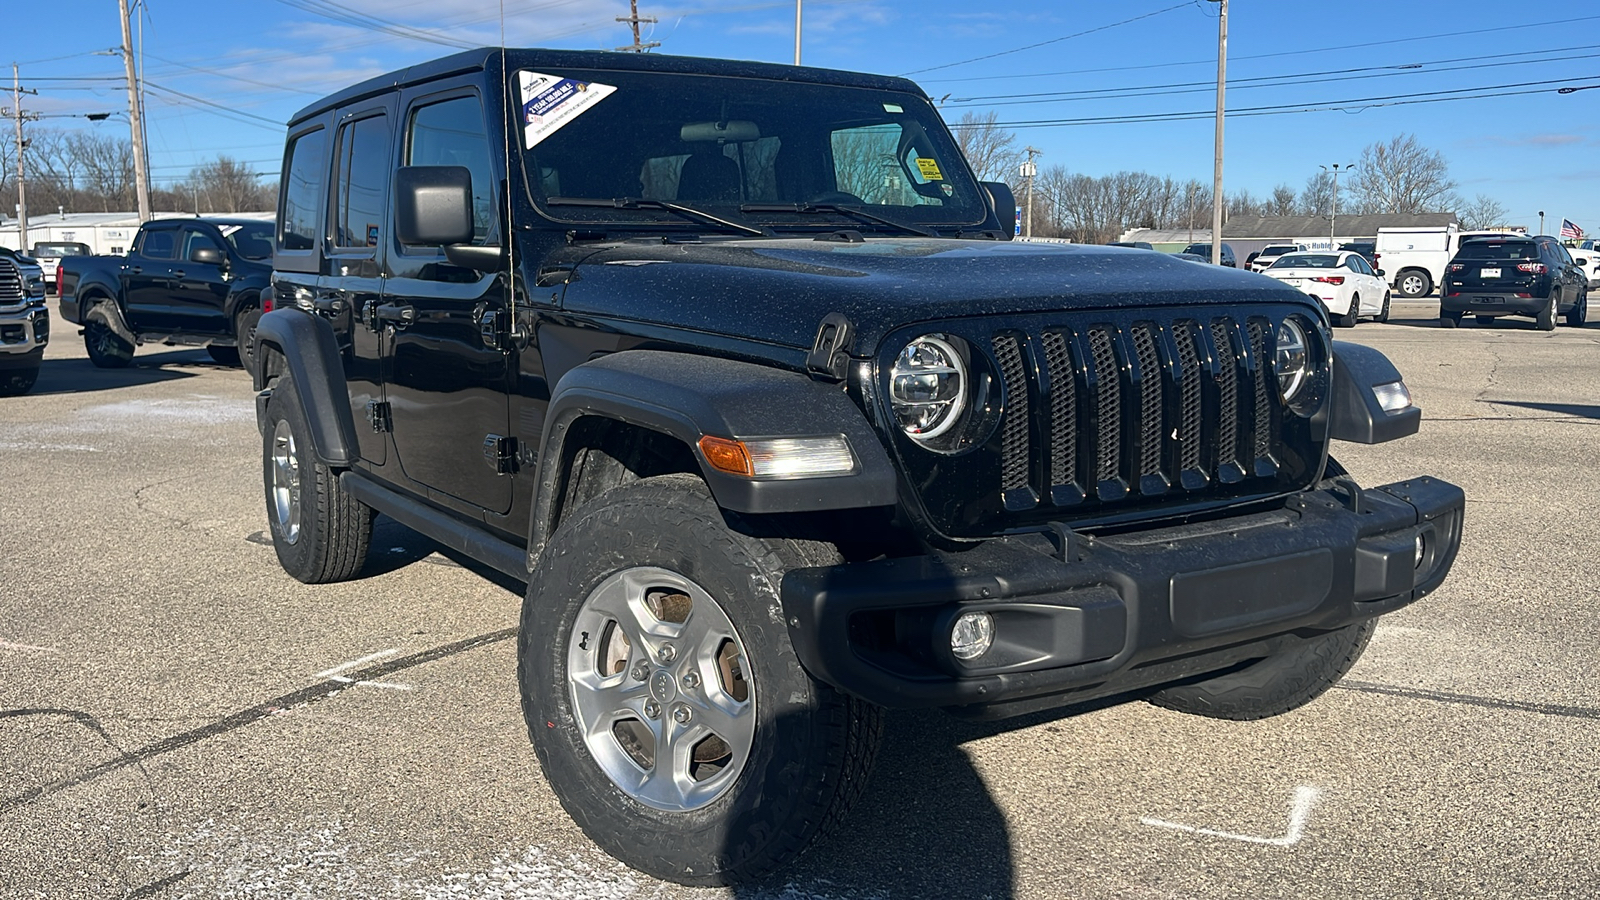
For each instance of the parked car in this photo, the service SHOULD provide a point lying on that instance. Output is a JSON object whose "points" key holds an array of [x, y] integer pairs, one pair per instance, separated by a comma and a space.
{"points": [[186, 281], [1415, 258], [1587, 259], [49, 254], [1514, 276], [1367, 249], [1270, 253], [778, 440], [1346, 285], [24, 322], [1205, 250]]}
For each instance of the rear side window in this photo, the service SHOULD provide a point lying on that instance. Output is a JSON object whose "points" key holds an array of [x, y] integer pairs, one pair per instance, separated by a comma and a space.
{"points": [[302, 193], [1499, 250], [363, 175], [451, 133], [157, 244]]}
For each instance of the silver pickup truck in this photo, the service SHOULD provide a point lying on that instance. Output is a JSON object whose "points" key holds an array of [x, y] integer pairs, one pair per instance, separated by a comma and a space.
{"points": [[24, 323]]}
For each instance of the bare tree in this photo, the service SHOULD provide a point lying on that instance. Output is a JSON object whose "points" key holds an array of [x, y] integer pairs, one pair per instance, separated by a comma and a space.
{"points": [[990, 150], [228, 186], [1244, 203], [1402, 176], [107, 165], [1483, 212], [1317, 198], [1282, 202]]}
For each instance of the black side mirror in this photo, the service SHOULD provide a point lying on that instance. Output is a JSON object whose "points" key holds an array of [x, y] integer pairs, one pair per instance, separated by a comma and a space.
{"points": [[1381, 273], [1005, 206], [433, 205], [210, 256]]}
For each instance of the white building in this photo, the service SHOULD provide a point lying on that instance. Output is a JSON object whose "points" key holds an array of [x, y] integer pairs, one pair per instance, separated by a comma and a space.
{"points": [[108, 234]]}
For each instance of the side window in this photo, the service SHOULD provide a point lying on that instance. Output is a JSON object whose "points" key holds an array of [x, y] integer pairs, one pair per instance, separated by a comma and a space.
{"points": [[363, 175], [157, 244], [867, 164], [451, 133], [301, 208], [193, 240]]}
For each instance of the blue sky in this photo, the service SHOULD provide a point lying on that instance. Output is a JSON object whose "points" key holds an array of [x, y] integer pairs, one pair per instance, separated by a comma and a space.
{"points": [[245, 66]]}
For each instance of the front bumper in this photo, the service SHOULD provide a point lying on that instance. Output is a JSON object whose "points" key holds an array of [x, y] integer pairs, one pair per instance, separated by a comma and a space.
{"points": [[1077, 617], [24, 330]]}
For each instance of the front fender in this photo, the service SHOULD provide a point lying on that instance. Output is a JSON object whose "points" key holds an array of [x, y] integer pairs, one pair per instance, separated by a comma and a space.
{"points": [[1357, 415], [689, 397], [310, 353]]}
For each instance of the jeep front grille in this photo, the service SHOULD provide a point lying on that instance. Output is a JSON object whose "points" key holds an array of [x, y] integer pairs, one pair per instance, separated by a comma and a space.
{"points": [[1108, 418]]}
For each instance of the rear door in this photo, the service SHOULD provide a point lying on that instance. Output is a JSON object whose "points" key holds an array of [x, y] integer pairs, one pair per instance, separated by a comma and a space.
{"points": [[448, 373]]}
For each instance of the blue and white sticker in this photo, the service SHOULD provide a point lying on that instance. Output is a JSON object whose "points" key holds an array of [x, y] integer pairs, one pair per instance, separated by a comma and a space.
{"points": [[550, 102]]}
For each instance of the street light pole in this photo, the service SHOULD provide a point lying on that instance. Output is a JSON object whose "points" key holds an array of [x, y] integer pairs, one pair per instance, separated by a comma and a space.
{"points": [[1333, 215], [797, 32], [1541, 221], [22, 193], [1216, 174], [1030, 169]]}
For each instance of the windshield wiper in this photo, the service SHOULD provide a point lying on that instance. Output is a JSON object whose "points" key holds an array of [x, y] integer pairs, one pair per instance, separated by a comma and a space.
{"points": [[838, 208], [688, 212]]}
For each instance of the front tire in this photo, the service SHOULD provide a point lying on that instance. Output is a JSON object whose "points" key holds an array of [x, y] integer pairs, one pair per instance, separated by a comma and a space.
{"points": [[319, 531], [106, 348], [244, 332], [1287, 680], [652, 632], [1414, 283]]}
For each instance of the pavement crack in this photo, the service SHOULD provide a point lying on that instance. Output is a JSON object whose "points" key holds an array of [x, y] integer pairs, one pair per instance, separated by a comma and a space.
{"points": [[306, 695]]}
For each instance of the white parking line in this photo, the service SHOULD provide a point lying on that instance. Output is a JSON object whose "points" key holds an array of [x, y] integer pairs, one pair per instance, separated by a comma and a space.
{"points": [[1305, 797], [333, 673]]}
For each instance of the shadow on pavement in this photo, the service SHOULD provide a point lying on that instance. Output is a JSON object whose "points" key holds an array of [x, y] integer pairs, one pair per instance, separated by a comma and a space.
{"points": [[74, 376], [1576, 410]]}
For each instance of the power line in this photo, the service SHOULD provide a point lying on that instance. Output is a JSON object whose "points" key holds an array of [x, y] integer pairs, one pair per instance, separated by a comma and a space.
{"points": [[1051, 41]]}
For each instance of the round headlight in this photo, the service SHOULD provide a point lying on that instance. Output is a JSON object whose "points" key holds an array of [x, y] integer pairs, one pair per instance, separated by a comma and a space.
{"points": [[927, 387], [1293, 359]]}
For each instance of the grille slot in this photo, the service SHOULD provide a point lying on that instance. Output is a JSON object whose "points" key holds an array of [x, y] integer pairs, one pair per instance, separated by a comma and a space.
{"points": [[1133, 411], [12, 290]]}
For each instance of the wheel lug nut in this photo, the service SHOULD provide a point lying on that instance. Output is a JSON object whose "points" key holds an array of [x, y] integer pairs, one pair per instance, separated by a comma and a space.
{"points": [[681, 714], [666, 653], [641, 672], [691, 680], [652, 709]]}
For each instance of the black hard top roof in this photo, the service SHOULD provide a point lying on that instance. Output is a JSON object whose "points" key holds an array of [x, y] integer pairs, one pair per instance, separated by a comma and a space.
{"points": [[476, 60]]}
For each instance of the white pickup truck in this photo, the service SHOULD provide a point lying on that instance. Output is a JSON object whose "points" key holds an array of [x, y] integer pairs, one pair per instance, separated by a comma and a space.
{"points": [[1587, 256], [1413, 259], [49, 254]]}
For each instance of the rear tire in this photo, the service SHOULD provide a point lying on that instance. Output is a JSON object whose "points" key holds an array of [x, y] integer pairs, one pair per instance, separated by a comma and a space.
{"points": [[1579, 314], [648, 579], [1287, 680], [1347, 320], [1414, 283], [1546, 320], [319, 531], [106, 348]]}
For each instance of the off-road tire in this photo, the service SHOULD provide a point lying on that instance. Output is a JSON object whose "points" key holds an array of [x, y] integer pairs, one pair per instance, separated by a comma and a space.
{"points": [[226, 356], [1546, 320], [811, 747], [244, 332], [334, 528], [1285, 681], [1579, 313], [106, 348]]}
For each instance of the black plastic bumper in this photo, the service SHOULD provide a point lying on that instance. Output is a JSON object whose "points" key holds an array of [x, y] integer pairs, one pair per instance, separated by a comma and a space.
{"points": [[1465, 300], [1077, 617]]}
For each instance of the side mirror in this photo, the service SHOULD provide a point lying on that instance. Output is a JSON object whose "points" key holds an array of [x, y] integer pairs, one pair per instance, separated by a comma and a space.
{"points": [[1005, 206], [210, 256], [1381, 273], [433, 205], [1580, 260]]}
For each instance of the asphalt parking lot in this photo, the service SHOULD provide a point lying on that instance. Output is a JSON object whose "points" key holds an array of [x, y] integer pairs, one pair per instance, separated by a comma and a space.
{"points": [[178, 718]]}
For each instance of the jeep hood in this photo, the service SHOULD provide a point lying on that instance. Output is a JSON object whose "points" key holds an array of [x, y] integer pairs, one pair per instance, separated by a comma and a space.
{"points": [[778, 290]]}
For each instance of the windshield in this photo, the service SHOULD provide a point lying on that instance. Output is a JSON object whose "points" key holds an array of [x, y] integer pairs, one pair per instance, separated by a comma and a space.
{"points": [[66, 249], [253, 240], [1306, 261], [748, 150]]}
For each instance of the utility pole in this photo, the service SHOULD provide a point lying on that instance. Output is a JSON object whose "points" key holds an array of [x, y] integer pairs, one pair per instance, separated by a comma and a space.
{"points": [[19, 116], [1334, 213], [1541, 212], [1030, 169], [1216, 175], [797, 32], [634, 19], [141, 172]]}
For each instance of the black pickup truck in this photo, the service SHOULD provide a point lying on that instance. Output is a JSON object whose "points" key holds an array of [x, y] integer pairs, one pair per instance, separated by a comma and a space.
{"points": [[194, 281], [737, 367]]}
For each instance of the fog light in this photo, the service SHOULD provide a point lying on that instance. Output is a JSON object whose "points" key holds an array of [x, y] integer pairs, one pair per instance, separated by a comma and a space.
{"points": [[972, 635], [1420, 547]]}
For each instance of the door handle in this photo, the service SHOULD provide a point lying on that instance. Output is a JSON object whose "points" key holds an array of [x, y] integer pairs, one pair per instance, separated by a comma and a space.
{"points": [[334, 305], [137, 270], [403, 313], [176, 273]]}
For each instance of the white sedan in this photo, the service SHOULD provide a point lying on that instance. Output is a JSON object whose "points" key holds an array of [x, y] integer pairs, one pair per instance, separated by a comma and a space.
{"points": [[1342, 280]]}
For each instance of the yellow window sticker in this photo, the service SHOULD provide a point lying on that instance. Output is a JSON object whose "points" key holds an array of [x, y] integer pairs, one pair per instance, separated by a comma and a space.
{"points": [[929, 169]]}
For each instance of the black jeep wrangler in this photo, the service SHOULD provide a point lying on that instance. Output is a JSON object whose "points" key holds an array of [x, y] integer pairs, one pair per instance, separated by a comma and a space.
{"points": [[736, 366]]}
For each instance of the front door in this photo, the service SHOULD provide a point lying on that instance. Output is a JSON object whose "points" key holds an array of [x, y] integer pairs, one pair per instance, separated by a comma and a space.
{"points": [[147, 280], [449, 374], [199, 290]]}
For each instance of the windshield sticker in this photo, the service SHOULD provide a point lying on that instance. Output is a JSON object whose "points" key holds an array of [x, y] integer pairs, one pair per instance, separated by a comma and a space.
{"points": [[929, 168], [228, 230], [550, 102], [892, 108]]}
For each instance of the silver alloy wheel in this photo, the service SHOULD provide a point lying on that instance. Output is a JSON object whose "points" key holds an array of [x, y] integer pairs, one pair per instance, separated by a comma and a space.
{"points": [[285, 483], [661, 688]]}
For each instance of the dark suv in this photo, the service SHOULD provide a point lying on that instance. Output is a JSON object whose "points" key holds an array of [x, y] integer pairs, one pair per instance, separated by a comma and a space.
{"points": [[1204, 250], [735, 365], [1514, 276]]}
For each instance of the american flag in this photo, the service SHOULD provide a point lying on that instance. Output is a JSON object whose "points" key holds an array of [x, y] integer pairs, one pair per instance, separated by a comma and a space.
{"points": [[1570, 231]]}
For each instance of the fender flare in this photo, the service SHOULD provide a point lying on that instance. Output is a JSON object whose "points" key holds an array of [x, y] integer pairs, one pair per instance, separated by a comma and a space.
{"points": [[105, 310], [310, 352], [687, 397], [1356, 414]]}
